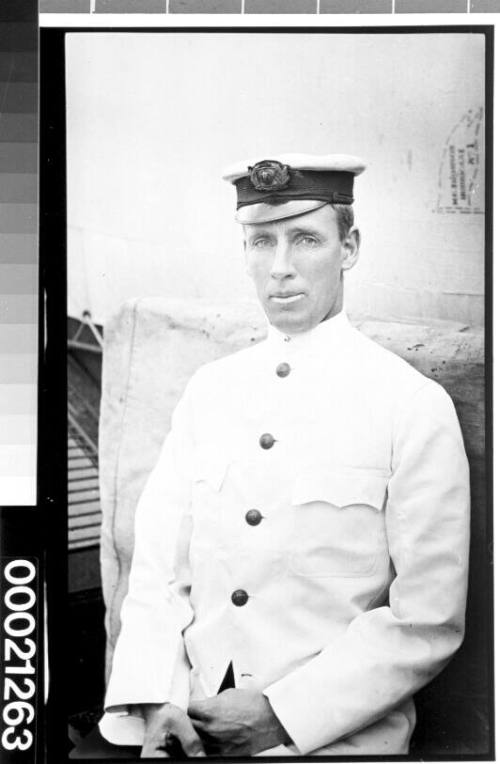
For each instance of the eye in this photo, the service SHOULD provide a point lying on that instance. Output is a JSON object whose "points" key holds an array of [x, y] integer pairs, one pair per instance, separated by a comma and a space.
{"points": [[261, 243], [306, 240]]}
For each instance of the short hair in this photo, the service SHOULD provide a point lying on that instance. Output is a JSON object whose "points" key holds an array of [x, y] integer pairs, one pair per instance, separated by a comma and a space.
{"points": [[345, 219]]}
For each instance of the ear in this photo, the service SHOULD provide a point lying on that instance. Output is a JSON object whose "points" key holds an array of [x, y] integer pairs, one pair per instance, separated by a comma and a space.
{"points": [[350, 249]]}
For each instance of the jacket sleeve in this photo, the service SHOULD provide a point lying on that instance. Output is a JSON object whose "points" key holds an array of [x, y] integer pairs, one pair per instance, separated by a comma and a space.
{"points": [[388, 653], [149, 662]]}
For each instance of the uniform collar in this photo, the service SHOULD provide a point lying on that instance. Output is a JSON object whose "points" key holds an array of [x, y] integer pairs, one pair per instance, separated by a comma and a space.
{"points": [[327, 333]]}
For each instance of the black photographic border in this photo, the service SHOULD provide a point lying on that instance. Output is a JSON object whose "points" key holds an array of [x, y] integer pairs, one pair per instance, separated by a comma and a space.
{"points": [[52, 469]]}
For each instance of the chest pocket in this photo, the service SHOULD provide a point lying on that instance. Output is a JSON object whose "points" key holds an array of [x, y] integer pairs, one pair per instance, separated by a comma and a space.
{"points": [[209, 474], [339, 524], [210, 469]]}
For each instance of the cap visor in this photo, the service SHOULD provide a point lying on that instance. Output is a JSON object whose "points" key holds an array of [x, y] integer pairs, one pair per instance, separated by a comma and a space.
{"points": [[267, 213]]}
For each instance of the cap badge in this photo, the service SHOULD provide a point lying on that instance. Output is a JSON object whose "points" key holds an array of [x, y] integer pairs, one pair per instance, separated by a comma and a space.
{"points": [[269, 175]]}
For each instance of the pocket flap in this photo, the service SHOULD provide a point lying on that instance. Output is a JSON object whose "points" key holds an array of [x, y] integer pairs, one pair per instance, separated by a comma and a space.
{"points": [[340, 489], [210, 468]]}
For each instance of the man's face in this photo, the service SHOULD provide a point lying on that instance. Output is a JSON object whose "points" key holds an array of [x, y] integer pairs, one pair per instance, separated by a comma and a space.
{"points": [[297, 265]]}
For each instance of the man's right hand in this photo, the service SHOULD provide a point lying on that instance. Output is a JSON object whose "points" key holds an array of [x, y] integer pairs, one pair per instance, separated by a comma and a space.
{"points": [[168, 732]]}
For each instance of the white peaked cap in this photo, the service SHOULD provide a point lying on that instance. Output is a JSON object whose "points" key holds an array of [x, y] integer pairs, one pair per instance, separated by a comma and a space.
{"points": [[285, 185]]}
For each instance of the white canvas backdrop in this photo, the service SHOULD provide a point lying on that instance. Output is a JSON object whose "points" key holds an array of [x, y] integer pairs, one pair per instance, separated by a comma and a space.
{"points": [[152, 119]]}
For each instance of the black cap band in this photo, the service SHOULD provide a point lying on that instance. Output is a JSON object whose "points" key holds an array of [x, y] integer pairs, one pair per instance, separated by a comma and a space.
{"points": [[335, 186]]}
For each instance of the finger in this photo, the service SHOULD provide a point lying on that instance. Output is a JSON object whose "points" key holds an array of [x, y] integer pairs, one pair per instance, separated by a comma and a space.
{"points": [[200, 709], [152, 752], [154, 745], [200, 725], [213, 745], [184, 731], [207, 739]]}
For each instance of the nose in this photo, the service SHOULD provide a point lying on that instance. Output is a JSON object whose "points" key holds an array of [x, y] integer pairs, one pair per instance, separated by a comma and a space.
{"points": [[282, 266]]}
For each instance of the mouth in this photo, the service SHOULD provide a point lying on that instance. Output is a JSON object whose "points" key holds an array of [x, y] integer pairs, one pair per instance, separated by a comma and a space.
{"points": [[286, 298]]}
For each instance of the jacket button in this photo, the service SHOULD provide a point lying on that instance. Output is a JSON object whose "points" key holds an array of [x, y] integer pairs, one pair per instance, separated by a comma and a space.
{"points": [[267, 440], [253, 517], [239, 597], [283, 370]]}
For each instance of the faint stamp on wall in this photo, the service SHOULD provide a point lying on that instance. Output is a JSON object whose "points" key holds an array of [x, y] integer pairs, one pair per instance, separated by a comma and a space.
{"points": [[461, 169]]}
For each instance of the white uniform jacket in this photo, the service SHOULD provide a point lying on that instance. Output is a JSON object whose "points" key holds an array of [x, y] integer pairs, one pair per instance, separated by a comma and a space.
{"points": [[343, 591]]}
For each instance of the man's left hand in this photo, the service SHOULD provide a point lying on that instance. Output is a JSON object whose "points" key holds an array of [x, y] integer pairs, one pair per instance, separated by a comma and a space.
{"points": [[237, 723]]}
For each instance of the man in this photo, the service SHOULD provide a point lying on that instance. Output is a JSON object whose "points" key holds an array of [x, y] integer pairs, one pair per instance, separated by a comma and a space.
{"points": [[301, 549]]}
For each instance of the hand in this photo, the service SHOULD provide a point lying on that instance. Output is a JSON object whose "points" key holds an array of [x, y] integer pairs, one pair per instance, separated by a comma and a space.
{"points": [[237, 723], [169, 732]]}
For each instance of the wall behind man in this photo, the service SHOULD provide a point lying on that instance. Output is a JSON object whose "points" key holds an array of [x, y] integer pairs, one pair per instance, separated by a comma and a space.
{"points": [[154, 118]]}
